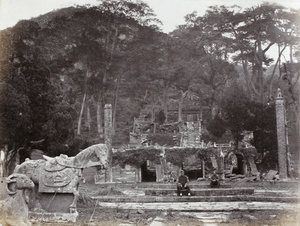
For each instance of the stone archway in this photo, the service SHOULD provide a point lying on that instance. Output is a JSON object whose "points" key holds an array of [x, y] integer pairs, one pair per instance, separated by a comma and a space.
{"points": [[240, 169], [147, 174]]}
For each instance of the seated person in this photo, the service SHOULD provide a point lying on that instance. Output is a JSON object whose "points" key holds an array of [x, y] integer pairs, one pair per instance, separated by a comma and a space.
{"points": [[214, 180], [182, 184]]}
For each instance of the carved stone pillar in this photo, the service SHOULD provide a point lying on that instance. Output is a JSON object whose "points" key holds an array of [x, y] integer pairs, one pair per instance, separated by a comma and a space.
{"points": [[108, 132], [281, 135]]}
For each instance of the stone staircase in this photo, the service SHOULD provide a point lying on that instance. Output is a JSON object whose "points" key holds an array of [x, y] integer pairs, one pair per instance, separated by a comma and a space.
{"points": [[200, 192], [244, 203]]}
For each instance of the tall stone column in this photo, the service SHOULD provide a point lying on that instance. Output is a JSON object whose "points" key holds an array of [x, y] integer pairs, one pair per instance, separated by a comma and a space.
{"points": [[281, 135], [108, 132]]}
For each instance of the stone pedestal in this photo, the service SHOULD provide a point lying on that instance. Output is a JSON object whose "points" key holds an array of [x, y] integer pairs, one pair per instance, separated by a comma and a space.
{"points": [[281, 136], [56, 203]]}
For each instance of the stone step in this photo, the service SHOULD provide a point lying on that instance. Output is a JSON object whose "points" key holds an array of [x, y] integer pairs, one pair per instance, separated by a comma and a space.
{"points": [[203, 206], [205, 184], [192, 199], [154, 185], [204, 192]]}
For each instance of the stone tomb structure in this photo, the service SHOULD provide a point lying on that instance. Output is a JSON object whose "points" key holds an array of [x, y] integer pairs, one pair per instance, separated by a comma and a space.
{"points": [[187, 134]]}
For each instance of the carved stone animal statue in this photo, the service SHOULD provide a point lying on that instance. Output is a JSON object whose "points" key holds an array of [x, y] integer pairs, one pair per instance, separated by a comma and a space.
{"points": [[14, 209], [62, 173]]}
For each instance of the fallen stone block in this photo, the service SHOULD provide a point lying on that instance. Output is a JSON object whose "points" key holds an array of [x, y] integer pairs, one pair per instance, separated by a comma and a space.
{"points": [[270, 175]]}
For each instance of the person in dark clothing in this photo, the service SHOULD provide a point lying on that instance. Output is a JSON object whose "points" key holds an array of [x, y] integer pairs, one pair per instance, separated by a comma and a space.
{"points": [[182, 184], [214, 180]]}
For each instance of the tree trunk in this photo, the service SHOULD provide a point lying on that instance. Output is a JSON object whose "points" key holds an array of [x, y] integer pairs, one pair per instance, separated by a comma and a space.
{"points": [[146, 95], [214, 106], [180, 103], [165, 102], [111, 50], [278, 63], [88, 117], [244, 61], [81, 114], [291, 54], [83, 101], [116, 101], [99, 118], [260, 70]]}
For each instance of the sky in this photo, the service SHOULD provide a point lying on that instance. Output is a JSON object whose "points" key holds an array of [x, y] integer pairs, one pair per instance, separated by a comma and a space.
{"points": [[170, 12]]}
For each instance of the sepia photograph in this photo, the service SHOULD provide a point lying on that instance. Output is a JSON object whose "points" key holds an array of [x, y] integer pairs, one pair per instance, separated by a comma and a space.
{"points": [[149, 113]]}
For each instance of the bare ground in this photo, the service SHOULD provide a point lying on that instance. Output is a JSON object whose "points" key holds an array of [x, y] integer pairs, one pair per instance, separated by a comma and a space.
{"points": [[91, 213]]}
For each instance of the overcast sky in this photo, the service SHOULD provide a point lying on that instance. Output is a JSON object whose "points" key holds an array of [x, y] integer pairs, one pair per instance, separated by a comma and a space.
{"points": [[170, 12]]}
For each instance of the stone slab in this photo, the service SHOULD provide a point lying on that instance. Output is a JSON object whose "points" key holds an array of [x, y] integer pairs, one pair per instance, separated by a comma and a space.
{"points": [[59, 202], [214, 162], [204, 192], [158, 221], [270, 175], [155, 185], [52, 217], [190, 199], [204, 206], [253, 167]]}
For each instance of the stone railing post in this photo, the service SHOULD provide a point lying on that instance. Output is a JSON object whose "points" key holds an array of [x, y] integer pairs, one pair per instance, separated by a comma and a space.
{"points": [[203, 169], [108, 132], [281, 135]]}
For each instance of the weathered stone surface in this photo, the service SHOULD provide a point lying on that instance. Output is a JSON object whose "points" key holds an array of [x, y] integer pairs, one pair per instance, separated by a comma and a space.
{"points": [[108, 132], [3, 192], [214, 162], [62, 181], [158, 221], [253, 167], [36, 154], [140, 211], [270, 175], [14, 208], [281, 135], [203, 206], [58, 202], [191, 199], [204, 192], [58, 179], [52, 217]]}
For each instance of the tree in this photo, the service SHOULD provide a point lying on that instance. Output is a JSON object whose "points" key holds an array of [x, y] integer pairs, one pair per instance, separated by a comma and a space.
{"points": [[30, 100], [96, 40], [250, 35], [239, 113], [216, 126], [234, 111], [206, 53]]}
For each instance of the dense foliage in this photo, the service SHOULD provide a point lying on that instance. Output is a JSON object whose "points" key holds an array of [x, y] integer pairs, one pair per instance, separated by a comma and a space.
{"points": [[175, 155], [239, 113], [58, 70]]}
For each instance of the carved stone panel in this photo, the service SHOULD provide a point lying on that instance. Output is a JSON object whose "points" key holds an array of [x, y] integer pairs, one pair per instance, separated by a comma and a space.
{"points": [[62, 181]]}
